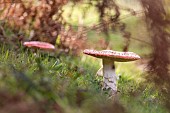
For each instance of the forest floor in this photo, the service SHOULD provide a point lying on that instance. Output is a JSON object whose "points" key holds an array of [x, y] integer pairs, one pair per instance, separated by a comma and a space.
{"points": [[36, 82]]}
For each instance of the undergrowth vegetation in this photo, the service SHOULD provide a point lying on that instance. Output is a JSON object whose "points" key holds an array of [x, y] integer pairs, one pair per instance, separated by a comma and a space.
{"points": [[55, 83]]}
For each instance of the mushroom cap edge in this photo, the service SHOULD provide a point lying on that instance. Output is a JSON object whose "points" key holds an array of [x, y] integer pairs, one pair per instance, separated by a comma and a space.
{"points": [[112, 55]]}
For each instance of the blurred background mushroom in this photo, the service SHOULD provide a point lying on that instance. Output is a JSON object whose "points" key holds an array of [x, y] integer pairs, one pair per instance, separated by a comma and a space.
{"points": [[40, 45]]}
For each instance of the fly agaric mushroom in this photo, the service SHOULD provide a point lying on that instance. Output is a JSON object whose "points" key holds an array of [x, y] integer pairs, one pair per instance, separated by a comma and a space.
{"points": [[108, 57], [41, 45]]}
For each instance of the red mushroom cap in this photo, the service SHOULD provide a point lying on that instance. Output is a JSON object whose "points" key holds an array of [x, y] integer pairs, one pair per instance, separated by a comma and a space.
{"points": [[38, 44], [115, 55]]}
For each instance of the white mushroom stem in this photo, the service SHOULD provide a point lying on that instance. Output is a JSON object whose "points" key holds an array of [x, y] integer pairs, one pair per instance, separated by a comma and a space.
{"points": [[109, 76]]}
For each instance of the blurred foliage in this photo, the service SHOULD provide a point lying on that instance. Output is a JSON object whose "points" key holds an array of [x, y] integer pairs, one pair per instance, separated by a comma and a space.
{"points": [[46, 20], [38, 20], [159, 24]]}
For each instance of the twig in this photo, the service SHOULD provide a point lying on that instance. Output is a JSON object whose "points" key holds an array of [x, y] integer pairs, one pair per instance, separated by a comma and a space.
{"points": [[141, 41], [107, 22], [98, 26]]}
